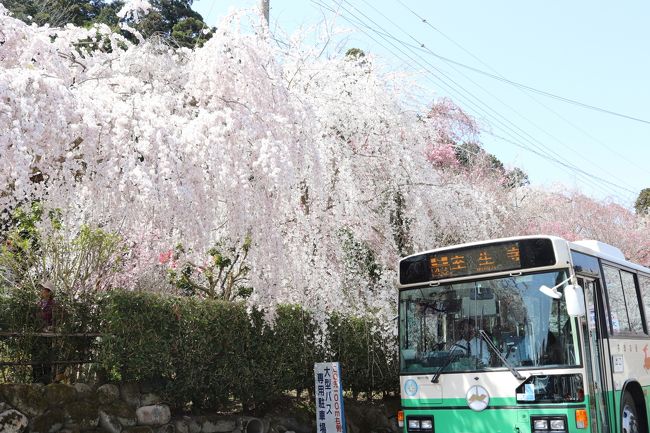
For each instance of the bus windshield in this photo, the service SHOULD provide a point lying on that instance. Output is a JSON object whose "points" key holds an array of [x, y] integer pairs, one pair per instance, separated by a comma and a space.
{"points": [[440, 326]]}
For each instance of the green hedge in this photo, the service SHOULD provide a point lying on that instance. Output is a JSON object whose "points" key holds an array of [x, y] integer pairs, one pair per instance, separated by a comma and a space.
{"points": [[209, 354], [369, 362]]}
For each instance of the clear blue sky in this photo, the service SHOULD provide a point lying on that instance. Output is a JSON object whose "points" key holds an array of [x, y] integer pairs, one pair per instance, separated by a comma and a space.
{"points": [[594, 52]]}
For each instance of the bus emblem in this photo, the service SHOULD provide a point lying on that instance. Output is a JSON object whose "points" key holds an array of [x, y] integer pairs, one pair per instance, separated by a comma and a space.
{"points": [[477, 398], [411, 388]]}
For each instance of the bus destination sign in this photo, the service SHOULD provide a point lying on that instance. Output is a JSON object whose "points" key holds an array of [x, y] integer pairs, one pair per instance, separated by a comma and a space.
{"points": [[487, 259], [478, 259]]}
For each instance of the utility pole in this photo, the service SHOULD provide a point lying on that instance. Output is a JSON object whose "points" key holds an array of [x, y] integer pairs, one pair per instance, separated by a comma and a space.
{"points": [[264, 6]]}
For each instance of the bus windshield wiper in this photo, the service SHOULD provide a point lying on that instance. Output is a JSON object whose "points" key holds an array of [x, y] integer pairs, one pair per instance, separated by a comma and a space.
{"points": [[452, 356], [503, 359]]}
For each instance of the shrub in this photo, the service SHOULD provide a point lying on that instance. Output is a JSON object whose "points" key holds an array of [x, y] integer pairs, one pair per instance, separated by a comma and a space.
{"points": [[206, 354], [368, 360]]}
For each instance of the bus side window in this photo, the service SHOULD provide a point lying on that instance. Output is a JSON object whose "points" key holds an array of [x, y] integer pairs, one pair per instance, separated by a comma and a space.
{"points": [[632, 302], [644, 283], [618, 311], [624, 304]]}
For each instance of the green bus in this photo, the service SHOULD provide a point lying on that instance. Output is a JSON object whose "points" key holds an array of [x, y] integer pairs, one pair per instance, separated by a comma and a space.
{"points": [[531, 334]]}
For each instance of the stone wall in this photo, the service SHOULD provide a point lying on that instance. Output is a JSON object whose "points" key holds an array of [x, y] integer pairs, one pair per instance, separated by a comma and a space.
{"points": [[131, 408]]}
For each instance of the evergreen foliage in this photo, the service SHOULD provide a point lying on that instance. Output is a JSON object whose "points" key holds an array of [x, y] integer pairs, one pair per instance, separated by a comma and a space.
{"points": [[172, 19], [642, 203], [58, 13], [470, 154]]}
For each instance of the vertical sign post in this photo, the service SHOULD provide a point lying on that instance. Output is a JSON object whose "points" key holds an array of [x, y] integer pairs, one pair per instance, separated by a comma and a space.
{"points": [[330, 416]]}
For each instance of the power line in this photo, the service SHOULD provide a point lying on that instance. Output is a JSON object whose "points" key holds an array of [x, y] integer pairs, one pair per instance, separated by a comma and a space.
{"points": [[586, 177], [501, 78], [597, 178], [568, 122], [422, 46]]}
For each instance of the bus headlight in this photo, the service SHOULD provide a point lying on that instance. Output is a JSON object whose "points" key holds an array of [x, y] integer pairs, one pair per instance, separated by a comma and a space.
{"points": [[419, 424], [540, 424], [557, 424], [548, 424]]}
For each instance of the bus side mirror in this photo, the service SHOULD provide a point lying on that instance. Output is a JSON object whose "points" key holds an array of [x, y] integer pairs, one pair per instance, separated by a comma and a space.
{"points": [[575, 300]]}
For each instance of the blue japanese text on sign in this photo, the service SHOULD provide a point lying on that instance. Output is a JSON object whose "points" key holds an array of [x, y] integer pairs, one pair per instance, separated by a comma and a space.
{"points": [[330, 417]]}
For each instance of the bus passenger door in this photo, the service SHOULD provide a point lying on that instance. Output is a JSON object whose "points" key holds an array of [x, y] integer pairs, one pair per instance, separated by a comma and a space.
{"points": [[596, 354]]}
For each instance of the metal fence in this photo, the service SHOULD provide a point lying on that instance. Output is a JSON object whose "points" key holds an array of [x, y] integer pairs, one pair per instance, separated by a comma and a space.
{"points": [[48, 357]]}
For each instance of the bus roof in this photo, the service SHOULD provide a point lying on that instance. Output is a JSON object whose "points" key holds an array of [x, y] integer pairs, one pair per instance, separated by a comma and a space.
{"points": [[606, 252]]}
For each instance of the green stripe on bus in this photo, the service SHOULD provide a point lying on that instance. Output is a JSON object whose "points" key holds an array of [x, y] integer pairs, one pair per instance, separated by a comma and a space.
{"points": [[490, 421]]}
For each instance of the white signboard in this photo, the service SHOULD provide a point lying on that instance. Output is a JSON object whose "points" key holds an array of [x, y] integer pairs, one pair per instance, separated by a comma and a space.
{"points": [[330, 417]]}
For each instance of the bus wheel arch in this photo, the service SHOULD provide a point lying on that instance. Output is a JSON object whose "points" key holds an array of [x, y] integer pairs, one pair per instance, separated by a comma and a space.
{"points": [[633, 403]]}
